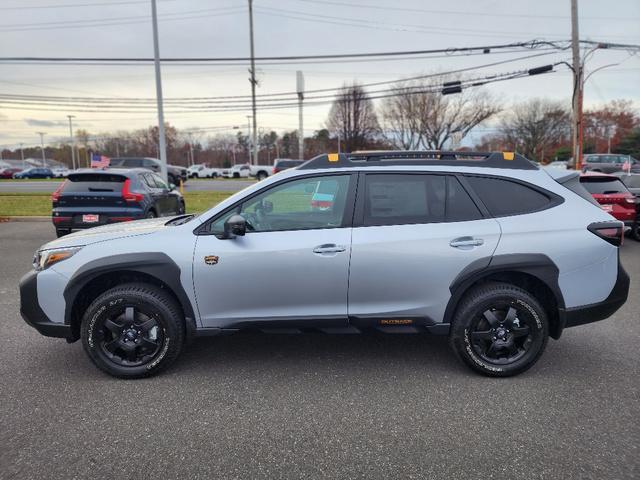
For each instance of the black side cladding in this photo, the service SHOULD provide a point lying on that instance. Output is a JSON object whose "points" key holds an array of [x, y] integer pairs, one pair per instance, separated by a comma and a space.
{"points": [[154, 264]]}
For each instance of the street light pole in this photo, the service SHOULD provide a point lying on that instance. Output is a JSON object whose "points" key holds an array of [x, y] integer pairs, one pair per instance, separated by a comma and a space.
{"points": [[42, 134], [253, 86], [250, 149], [73, 152], [162, 148], [300, 91]]}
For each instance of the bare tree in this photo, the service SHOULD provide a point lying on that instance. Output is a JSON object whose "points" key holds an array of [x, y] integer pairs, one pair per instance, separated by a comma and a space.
{"points": [[419, 116], [353, 116], [536, 127]]}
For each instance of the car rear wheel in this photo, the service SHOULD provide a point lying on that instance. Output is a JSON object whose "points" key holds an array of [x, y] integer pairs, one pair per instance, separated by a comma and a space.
{"points": [[635, 231], [499, 330], [261, 176], [61, 232], [151, 214], [133, 331]]}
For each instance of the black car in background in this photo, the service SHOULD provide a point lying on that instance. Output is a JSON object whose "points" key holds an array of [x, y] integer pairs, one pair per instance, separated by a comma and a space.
{"points": [[174, 173], [35, 172], [285, 163], [89, 198]]}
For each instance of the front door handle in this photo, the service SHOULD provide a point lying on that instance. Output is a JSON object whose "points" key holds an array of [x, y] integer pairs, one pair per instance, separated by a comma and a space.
{"points": [[466, 242], [329, 248]]}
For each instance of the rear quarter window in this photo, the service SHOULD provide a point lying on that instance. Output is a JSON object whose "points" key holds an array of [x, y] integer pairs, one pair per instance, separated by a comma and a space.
{"points": [[504, 197]]}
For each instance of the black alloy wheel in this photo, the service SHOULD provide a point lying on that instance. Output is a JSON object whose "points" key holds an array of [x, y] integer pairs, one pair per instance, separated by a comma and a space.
{"points": [[130, 336]]}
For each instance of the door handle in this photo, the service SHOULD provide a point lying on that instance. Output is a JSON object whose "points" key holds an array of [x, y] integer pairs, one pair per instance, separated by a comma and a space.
{"points": [[329, 248], [466, 242]]}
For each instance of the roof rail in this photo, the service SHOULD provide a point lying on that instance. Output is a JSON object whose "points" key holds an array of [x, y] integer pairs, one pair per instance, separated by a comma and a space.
{"points": [[428, 157]]}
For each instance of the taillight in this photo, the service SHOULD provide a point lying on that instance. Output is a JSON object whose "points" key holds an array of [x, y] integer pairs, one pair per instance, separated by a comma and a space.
{"points": [[275, 170], [55, 196], [129, 196], [630, 200], [612, 232]]}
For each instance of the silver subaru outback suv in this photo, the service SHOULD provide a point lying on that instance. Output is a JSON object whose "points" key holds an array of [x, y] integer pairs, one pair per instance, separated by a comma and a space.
{"points": [[485, 248]]}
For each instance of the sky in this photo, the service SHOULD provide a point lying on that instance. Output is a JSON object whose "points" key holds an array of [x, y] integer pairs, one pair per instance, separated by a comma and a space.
{"points": [[220, 28]]}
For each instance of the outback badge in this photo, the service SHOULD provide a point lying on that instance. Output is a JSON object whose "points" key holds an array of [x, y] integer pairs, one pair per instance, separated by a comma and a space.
{"points": [[211, 259]]}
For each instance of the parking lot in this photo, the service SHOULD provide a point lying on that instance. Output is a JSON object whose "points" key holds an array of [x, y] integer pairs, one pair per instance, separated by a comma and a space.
{"points": [[30, 186], [315, 406]]}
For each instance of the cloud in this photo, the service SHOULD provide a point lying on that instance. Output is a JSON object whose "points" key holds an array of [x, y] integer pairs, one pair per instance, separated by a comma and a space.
{"points": [[34, 122]]}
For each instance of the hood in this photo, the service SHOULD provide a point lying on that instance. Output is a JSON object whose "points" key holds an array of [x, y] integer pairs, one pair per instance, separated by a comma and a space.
{"points": [[109, 232]]}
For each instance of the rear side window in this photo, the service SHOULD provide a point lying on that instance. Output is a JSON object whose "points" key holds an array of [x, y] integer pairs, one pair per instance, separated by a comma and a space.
{"points": [[603, 185], [504, 197], [397, 199], [93, 183], [632, 181]]}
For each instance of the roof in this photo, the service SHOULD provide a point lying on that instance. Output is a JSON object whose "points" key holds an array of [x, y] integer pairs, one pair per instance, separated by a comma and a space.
{"points": [[509, 160]]}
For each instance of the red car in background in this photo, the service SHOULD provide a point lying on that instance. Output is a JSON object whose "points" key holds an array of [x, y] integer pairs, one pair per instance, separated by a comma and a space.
{"points": [[8, 172], [612, 195]]}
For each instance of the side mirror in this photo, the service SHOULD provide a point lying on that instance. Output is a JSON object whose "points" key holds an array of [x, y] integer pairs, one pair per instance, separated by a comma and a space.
{"points": [[235, 226], [172, 187]]}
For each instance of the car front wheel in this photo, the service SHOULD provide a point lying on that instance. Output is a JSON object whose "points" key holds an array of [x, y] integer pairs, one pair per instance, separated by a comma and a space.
{"points": [[499, 330], [133, 331]]}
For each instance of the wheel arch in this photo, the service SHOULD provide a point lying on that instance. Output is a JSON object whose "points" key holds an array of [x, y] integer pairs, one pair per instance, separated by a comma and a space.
{"points": [[535, 273], [100, 275]]}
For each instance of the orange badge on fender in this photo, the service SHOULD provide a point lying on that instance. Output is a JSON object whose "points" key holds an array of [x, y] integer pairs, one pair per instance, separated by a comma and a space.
{"points": [[211, 259]]}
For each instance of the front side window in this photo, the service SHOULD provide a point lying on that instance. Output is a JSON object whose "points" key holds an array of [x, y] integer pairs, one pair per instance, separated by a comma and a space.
{"points": [[305, 204]]}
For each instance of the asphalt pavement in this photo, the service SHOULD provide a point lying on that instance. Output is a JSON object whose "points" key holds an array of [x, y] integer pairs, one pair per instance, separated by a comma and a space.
{"points": [[316, 406], [25, 186]]}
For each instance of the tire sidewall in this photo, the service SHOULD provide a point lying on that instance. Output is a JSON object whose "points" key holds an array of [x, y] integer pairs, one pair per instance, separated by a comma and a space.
{"points": [[461, 332], [117, 298]]}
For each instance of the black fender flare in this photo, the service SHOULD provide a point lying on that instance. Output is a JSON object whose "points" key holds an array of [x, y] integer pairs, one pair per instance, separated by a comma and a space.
{"points": [[536, 265], [155, 264]]}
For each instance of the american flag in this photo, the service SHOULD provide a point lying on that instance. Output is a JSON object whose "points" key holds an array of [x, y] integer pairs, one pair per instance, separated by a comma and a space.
{"points": [[99, 161]]}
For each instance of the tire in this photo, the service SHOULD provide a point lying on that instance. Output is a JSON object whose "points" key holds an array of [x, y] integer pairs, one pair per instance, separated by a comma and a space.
{"points": [[182, 209], [236, 175], [490, 338], [261, 176], [133, 331], [635, 231], [61, 232], [151, 214]]}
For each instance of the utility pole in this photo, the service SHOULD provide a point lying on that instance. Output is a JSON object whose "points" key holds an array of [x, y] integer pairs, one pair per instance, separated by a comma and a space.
{"points": [[42, 134], [73, 153], [162, 148], [250, 148], [576, 130], [300, 90], [22, 153], [253, 87], [339, 142], [190, 148]]}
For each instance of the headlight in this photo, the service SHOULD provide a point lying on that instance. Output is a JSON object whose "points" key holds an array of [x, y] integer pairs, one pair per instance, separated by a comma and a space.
{"points": [[43, 259]]}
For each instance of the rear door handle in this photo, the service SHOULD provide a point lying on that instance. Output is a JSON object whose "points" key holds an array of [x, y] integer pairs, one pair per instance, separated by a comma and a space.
{"points": [[466, 242], [329, 248]]}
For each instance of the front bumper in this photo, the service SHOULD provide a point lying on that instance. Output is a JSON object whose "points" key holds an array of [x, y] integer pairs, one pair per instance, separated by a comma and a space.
{"points": [[33, 314], [572, 317]]}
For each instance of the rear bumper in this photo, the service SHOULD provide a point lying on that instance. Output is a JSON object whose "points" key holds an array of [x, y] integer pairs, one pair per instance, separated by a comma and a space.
{"points": [[572, 317], [72, 219], [32, 313]]}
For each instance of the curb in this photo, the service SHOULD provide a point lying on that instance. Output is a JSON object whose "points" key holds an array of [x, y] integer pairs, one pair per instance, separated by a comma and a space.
{"points": [[25, 219]]}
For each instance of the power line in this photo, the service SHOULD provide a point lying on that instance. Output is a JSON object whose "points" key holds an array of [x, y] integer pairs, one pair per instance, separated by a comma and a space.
{"points": [[76, 5], [279, 94], [289, 103], [452, 12], [531, 44]]}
